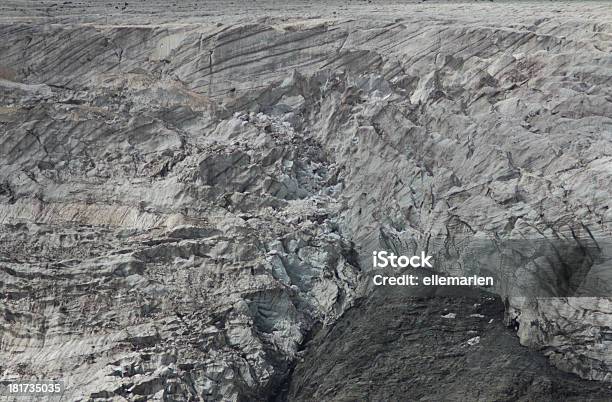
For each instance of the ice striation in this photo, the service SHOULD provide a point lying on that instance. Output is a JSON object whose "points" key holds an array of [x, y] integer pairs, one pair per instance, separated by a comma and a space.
{"points": [[186, 201]]}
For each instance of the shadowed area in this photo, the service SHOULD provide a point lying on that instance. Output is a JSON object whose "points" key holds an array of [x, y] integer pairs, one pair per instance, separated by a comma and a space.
{"points": [[421, 347]]}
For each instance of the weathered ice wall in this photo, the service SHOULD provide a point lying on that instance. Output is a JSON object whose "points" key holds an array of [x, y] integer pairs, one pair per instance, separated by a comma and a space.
{"points": [[187, 197]]}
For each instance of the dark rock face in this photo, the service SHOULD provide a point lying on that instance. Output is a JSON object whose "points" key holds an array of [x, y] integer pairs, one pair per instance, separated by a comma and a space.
{"points": [[399, 346], [187, 194]]}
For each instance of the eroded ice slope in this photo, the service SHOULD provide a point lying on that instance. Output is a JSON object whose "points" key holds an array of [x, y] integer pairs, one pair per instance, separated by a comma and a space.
{"points": [[182, 202]]}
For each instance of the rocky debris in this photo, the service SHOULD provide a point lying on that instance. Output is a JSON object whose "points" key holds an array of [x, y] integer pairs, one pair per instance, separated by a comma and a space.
{"points": [[394, 344], [473, 341], [182, 205]]}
